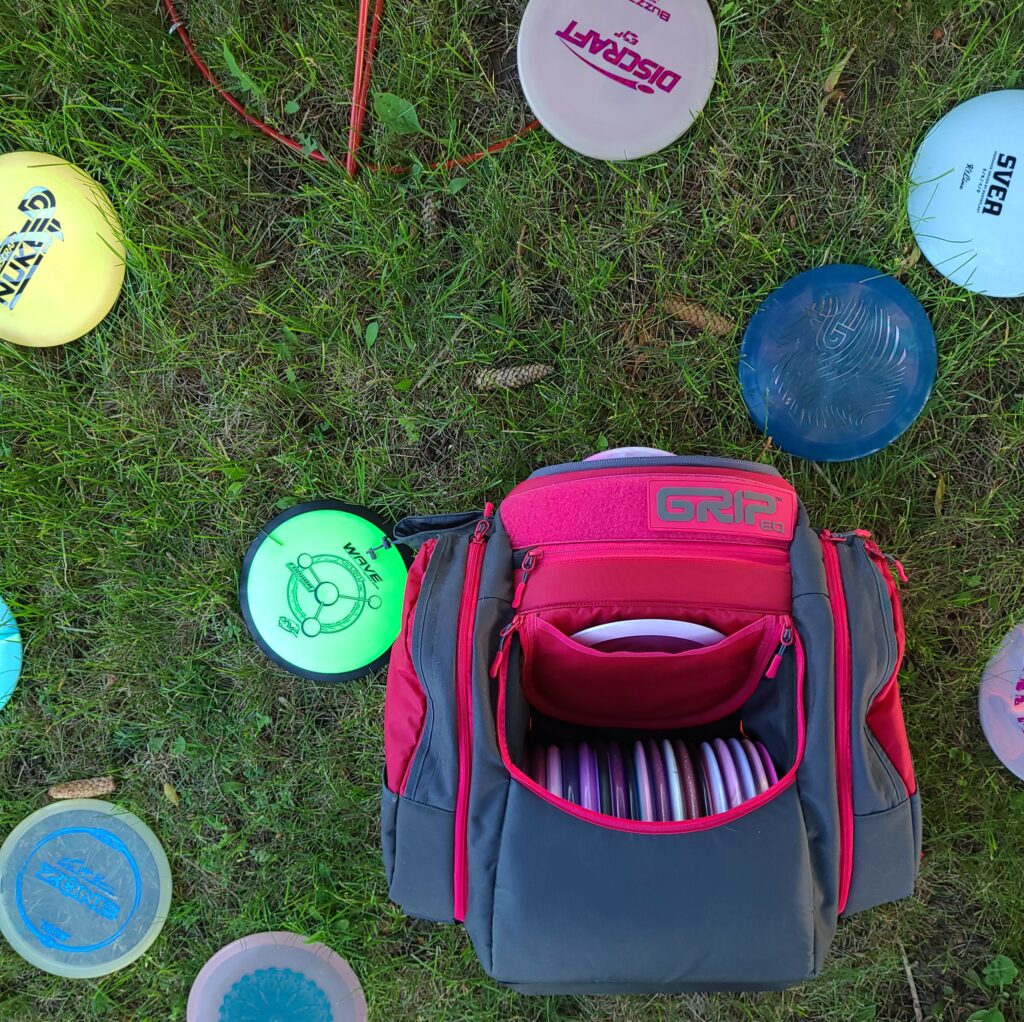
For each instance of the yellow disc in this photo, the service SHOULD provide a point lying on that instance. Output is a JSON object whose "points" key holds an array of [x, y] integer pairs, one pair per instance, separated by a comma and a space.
{"points": [[61, 253]]}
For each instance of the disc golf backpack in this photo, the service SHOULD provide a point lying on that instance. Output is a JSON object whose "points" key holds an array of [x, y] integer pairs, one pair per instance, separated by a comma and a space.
{"points": [[581, 894]]}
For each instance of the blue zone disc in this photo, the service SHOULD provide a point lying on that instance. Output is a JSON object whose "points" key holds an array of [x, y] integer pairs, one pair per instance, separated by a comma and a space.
{"points": [[837, 363], [84, 888], [10, 654]]}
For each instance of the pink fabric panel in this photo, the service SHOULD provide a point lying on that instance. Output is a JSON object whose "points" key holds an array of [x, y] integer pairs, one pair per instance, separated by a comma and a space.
{"points": [[575, 683], [650, 504]]}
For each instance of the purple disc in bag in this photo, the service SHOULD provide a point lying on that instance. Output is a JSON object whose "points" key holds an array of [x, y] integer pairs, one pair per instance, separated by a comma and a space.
{"points": [[604, 779], [539, 765], [766, 761], [675, 787], [590, 792], [571, 774], [632, 788], [645, 793], [748, 787], [554, 784], [733, 792], [756, 766], [692, 804], [659, 782], [715, 785], [619, 781]]}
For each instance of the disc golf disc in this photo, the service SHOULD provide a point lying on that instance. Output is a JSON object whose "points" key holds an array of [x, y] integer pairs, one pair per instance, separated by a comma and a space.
{"points": [[10, 654], [837, 363], [616, 81], [276, 977], [647, 635], [1001, 702], [61, 255], [322, 590], [966, 199], [630, 452], [84, 888]]}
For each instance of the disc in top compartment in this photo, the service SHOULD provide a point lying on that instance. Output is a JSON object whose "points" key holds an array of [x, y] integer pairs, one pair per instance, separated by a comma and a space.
{"points": [[648, 635]]}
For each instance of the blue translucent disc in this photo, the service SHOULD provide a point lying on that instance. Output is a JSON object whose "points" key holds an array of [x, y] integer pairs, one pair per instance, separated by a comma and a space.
{"points": [[837, 363]]}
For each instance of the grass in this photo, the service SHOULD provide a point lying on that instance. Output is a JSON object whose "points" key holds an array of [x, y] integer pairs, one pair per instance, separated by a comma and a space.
{"points": [[233, 378]]}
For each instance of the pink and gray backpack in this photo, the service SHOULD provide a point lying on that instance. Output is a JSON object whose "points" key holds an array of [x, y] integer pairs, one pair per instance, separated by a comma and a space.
{"points": [[573, 886]]}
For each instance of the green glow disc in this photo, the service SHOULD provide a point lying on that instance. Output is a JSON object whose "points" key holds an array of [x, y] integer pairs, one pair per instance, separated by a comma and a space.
{"points": [[322, 591]]}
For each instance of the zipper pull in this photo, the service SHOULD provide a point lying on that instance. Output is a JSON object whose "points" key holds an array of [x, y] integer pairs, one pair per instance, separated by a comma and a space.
{"points": [[503, 646], [529, 562], [842, 537], [484, 525], [879, 554], [787, 641]]}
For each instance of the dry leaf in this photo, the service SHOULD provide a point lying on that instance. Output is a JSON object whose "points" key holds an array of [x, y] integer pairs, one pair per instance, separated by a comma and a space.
{"points": [[910, 260], [171, 794], [940, 494], [91, 787], [937, 35], [832, 81], [698, 316], [511, 377]]}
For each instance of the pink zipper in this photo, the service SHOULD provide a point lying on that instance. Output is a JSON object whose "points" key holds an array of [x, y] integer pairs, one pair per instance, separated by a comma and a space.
{"points": [[656, 827], [464, 708], [844, 712]]}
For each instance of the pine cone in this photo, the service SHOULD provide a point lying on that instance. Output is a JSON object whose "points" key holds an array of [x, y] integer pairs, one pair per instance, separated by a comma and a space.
{"points": [[698, 316], [91, 787], [430, 216], [511, 377]]}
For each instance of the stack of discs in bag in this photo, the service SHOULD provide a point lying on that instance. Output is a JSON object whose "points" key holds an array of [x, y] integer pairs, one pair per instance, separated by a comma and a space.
{"points": [[654, 779]]}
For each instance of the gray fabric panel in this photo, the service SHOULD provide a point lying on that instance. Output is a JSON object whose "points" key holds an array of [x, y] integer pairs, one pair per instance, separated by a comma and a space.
{"points": [[490, 779], [876, 784], [420, 870], [696, 460], [388, 814], [577, 904], [885, 856], [434, 774], [417, 529], [816, 779]]}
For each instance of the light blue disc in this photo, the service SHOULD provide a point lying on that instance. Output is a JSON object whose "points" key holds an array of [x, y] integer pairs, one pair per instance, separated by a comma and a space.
{"points": [[966, 200], [10, 654]]}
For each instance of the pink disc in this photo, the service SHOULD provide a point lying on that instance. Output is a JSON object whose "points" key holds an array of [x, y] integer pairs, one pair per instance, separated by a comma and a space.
{"points": [[539, 765], [643, 782], [731, 778], [276, 976], [590, 783], [756, 766]]}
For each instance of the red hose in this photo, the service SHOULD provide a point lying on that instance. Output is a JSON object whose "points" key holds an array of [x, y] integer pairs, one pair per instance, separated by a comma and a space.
{"points": [[366, 47]]}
